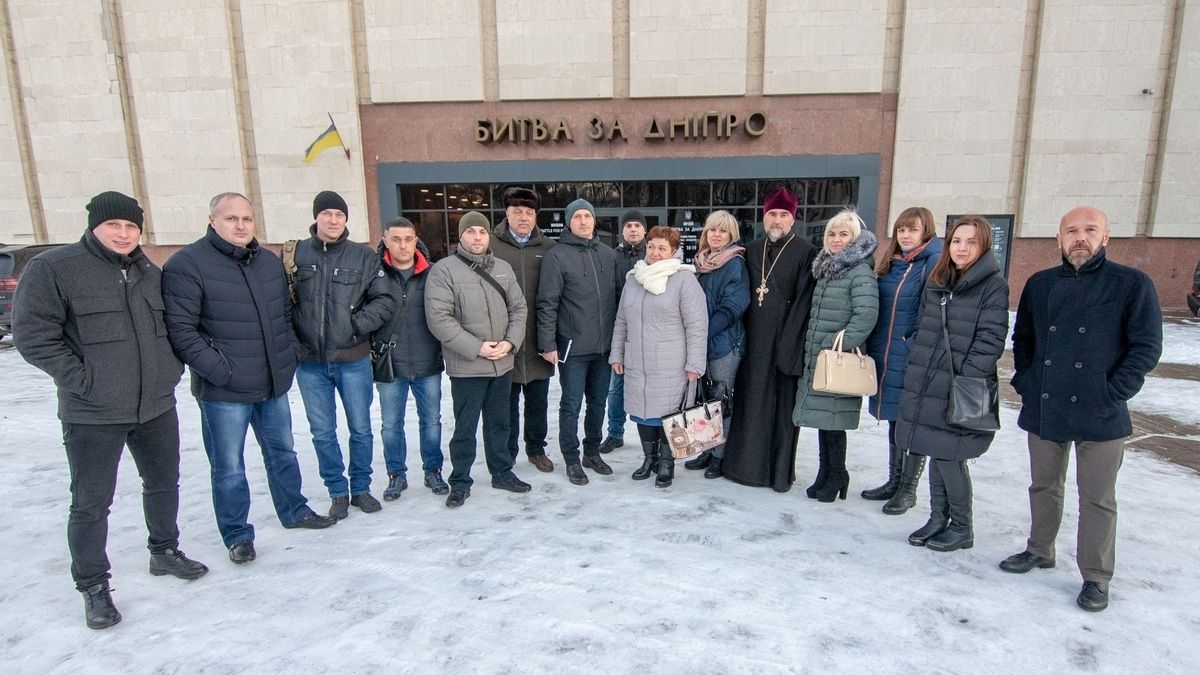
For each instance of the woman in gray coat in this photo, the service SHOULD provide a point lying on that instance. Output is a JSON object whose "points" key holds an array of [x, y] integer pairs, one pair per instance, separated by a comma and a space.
{"points": [[659, 344], [846, 298]]}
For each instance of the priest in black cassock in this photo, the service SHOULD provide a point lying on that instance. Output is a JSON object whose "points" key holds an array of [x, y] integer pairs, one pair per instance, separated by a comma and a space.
{"points": [[761, 450]]}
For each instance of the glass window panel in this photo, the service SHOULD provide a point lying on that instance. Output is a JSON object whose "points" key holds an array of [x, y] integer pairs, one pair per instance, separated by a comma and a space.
{"points": [[550, 222], [733, 193], [826, 191], [467, 197], [556, 195], [689, 193], [645, 194], [747, 220], [431, 229], [601, 194], [689, 222], [421, 197]]}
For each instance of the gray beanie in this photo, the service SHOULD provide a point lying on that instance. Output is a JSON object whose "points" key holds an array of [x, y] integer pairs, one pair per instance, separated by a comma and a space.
{"points": [[577, 205]]}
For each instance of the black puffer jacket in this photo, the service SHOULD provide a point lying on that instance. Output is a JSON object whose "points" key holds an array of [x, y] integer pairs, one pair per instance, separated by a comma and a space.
{"points": [[977, 317], [627, 256], [417, 353], [577, 297], [229, 318], [93, 320], [341, 298]]}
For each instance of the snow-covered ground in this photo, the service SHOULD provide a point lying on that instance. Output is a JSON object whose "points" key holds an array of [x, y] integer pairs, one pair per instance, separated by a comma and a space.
{"points": [[617, 576], [1181, 342]]}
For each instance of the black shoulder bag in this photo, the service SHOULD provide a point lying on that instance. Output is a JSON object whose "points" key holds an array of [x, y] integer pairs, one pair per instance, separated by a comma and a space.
{"points": [[974, 402], [381, 360]]}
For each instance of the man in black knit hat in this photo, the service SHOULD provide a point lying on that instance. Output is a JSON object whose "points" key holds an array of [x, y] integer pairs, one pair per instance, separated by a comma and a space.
{"points": [[90, 315]]}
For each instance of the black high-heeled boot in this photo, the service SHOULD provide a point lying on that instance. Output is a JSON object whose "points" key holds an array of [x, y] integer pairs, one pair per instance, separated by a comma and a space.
{"points": [[822, 471], [837, 484], [888, 489], [650, 452]]}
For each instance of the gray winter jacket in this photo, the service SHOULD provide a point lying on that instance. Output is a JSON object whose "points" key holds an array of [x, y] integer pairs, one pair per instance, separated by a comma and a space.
{"points": [[659, 338], [464, 311], [845, 297]]}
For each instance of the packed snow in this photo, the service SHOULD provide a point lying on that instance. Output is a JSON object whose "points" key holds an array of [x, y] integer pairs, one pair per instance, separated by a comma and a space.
{"points": [[617, 576]]}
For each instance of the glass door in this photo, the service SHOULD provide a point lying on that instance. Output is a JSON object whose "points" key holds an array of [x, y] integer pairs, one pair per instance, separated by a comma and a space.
{"points": [[608, 222]]}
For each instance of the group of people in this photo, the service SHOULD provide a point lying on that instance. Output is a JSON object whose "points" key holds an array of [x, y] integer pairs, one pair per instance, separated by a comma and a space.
{"points": [[633, 329]]}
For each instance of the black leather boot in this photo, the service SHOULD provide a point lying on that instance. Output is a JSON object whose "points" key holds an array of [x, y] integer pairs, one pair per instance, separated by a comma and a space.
{"points": [[714, 468], [838, 481], [666, 467], [822, 472], [906, 493], [959, 533], [650, 450], [888, 489], [698, 462], [939, 510], [98, 606]]}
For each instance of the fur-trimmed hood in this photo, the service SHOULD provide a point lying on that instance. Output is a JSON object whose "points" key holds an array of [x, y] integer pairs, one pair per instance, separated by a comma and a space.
{"points": [[835, 265]]}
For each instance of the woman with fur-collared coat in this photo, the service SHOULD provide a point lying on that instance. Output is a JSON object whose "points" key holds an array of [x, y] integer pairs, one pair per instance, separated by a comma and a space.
{"points": [[660, 345], [846, 297], [976, 300]]}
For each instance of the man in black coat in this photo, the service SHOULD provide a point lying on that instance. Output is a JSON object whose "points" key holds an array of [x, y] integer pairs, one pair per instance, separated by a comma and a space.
{"points": [[761, 449], [1087, 333], [341, 299], [90, 315], [576, 310], [228, 316], [631, 249]]}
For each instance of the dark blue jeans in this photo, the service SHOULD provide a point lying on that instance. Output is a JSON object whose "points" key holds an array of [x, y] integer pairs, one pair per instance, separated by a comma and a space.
{"points": [[475, 396], [393, 399], [93, 452], [223, 426], [352, 382], [583, 377], [536, 403], [616, 406]]}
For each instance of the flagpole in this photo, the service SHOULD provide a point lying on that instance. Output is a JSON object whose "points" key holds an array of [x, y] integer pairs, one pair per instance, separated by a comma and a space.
{"points": [[340, 139]]}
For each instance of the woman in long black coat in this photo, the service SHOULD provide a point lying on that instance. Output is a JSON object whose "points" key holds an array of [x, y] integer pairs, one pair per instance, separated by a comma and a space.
{"points": [[976, 298]]}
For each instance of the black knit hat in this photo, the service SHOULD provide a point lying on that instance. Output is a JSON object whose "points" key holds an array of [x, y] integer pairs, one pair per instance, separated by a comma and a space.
{"points": [[519, 196], [634, 216], [329, 199], [113, 206]]}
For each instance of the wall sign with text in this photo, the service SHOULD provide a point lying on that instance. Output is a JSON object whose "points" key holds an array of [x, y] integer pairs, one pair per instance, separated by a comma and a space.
{"points": [[699, 127]]}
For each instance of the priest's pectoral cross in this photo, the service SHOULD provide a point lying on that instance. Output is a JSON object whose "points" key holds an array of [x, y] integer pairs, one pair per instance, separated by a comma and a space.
{"points": [[762, 291]]}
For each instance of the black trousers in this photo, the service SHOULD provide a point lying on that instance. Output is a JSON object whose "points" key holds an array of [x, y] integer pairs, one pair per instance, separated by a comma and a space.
{"points": [[93, 453], [472, 397], [537, 394]]}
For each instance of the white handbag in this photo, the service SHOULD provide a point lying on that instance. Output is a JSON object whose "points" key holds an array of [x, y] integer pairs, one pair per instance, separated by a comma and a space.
{"points": [[844, 373]]}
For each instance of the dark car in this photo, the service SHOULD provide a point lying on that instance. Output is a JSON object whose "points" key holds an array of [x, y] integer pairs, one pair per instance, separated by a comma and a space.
{"points": [[1194, 297], [12, 260]]}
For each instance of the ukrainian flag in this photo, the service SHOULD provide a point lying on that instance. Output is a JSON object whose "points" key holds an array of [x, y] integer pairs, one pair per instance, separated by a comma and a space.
{"points": [[330, 138]]}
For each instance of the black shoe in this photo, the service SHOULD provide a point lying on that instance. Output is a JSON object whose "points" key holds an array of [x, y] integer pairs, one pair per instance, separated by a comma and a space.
{"points": [[366, 502], [836, 486], [312, 521], [956, 480], [596, 464], [242, 552], [457, 498], [576, 475], [698, 462], [714, 468], [955, 536], [397, 483], [511, 483], [665, 471], [822, 472], [1093, 597], [98, 606], [650, 454], [175, 563], [612, 443], [932, 527], [433, 481], [888, 489], [1024, 561], [542, 462], [339, 507]]}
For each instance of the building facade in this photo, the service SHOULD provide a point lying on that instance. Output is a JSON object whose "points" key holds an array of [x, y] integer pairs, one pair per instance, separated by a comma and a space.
{"points": [[1018, 109]]}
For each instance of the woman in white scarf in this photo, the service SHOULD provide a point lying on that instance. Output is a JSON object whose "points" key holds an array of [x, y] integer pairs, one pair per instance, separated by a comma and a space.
{"points": [[659, 344]]}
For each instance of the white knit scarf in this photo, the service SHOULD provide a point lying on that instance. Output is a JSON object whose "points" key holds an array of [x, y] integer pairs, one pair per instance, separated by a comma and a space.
{"points": [[654, 277]]}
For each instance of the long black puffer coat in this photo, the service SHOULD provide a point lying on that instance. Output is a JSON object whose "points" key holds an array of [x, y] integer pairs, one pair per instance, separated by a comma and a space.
{"points": [[977, 316]]}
